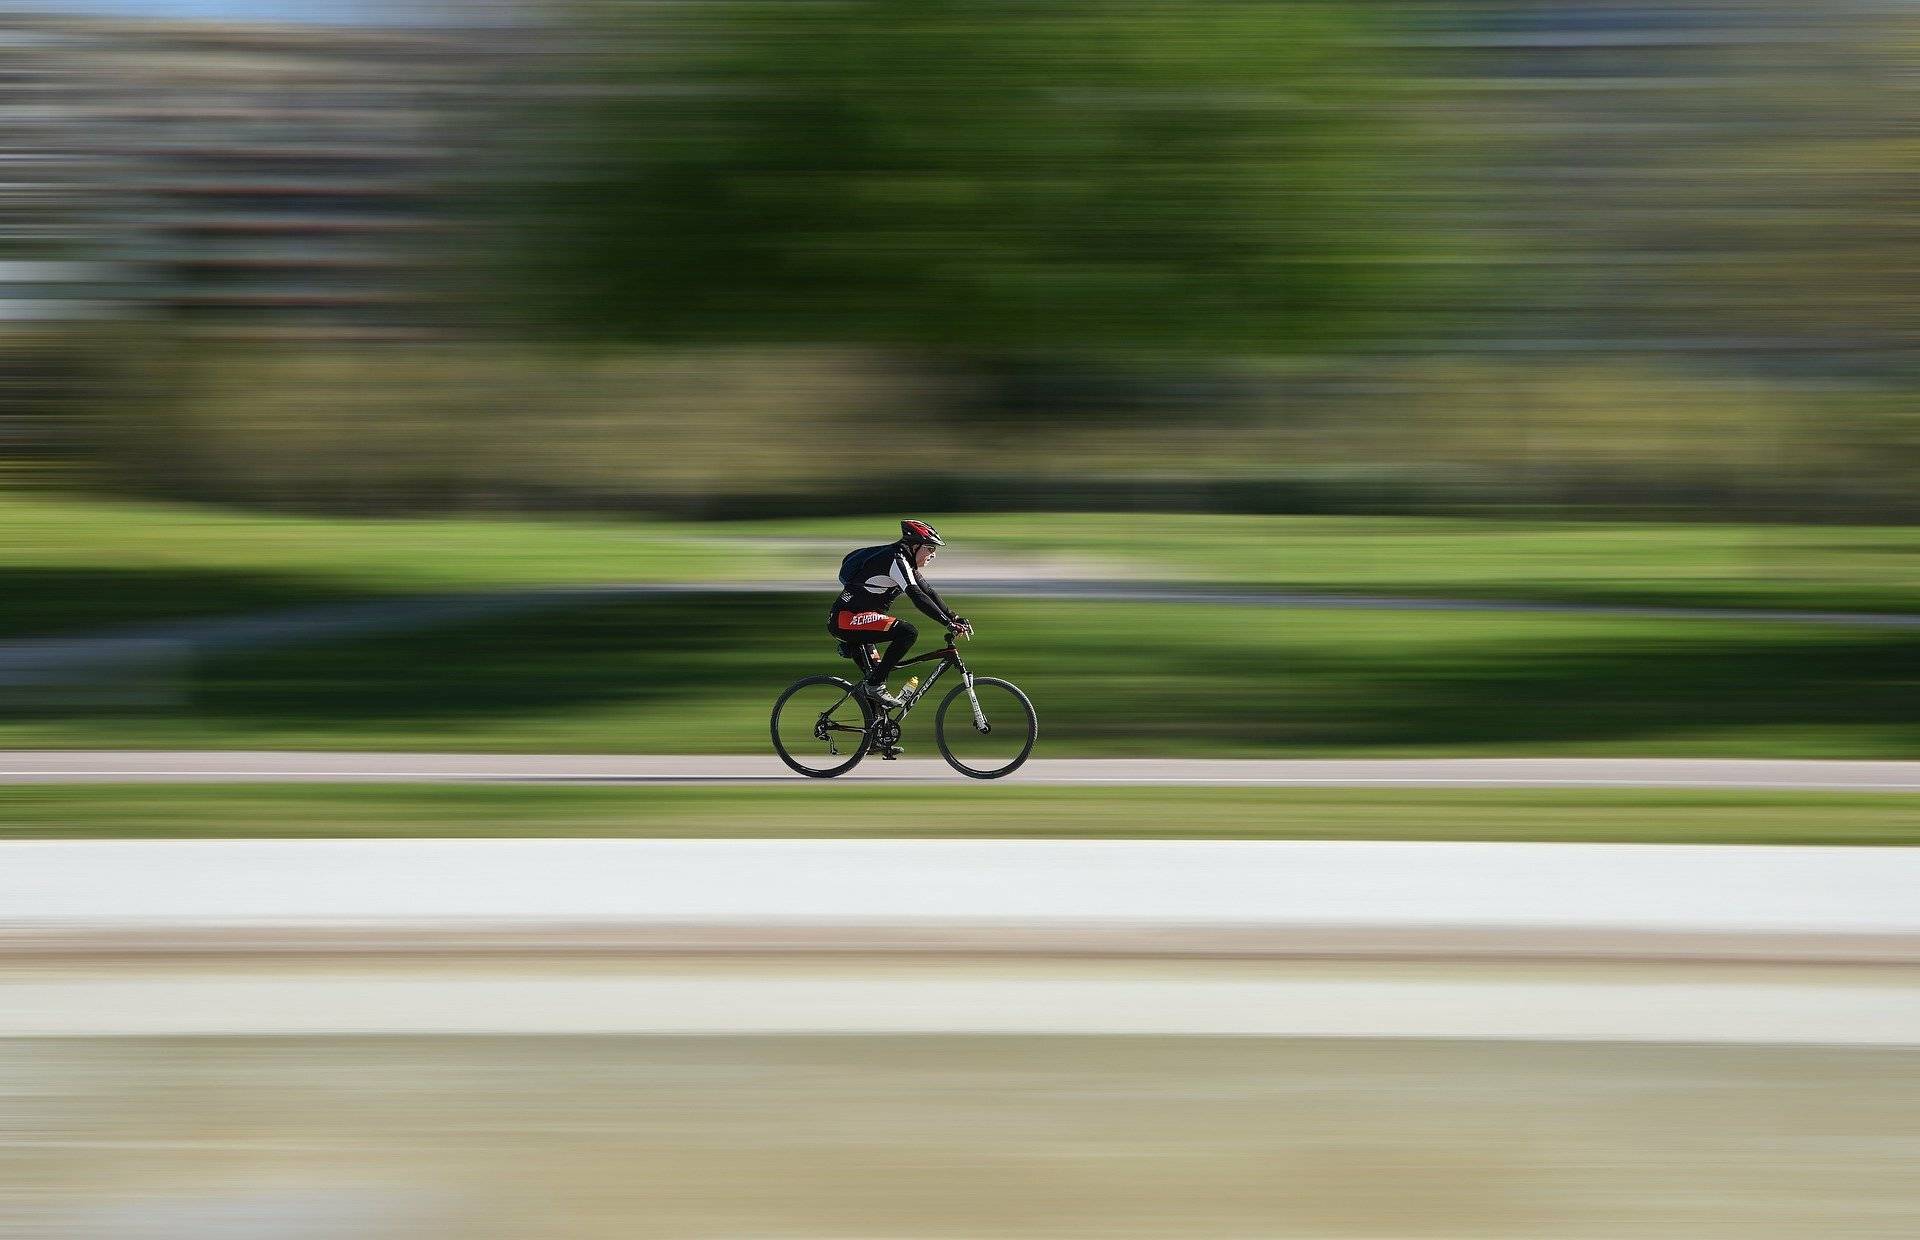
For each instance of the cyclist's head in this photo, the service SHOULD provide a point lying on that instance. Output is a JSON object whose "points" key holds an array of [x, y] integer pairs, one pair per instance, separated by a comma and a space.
{"points": [[919, 539], [919, 534]]}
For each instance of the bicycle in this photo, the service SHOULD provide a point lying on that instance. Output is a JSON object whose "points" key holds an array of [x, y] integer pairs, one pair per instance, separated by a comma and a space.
{"points": [[990, 739]]}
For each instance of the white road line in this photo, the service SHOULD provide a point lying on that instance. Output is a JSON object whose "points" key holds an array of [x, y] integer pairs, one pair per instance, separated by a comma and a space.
{"points": [[1681, 1007]]}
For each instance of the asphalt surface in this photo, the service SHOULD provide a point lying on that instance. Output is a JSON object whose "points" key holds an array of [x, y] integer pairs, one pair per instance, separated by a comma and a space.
{"points": [[29, 766]]}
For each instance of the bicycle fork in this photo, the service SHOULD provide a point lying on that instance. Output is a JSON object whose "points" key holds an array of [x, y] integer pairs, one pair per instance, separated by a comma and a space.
{"points": [[973, 700]]}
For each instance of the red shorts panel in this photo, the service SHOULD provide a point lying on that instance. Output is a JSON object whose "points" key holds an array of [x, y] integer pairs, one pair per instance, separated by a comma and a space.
{"points": [[863, 621]]}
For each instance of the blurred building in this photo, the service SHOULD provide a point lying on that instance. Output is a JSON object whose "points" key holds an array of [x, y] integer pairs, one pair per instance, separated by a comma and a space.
{"points": [[54, 231], [242, 178], [1702, 176]]}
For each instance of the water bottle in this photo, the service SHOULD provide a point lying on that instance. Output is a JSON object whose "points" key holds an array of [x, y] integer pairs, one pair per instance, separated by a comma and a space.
{"points": [[913, 682]]}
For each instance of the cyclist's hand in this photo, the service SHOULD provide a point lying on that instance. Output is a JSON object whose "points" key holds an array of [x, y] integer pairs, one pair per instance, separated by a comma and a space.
{"points": [[961, 627]]}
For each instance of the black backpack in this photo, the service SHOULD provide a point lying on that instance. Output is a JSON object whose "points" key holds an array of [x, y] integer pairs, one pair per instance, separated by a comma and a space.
{"points": [[847, 565]]}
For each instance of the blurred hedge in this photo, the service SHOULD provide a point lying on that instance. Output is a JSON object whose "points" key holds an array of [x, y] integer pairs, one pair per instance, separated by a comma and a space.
{"points": [[735, 433]]}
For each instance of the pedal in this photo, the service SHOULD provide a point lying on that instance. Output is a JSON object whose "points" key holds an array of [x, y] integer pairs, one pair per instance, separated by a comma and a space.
{"points": [[889, 752]]}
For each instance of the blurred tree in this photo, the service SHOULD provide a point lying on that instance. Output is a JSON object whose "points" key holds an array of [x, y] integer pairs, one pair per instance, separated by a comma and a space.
{"points": [[974, 178]]}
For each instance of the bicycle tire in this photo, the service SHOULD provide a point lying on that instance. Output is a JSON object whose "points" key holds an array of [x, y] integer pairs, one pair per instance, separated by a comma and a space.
{"points": [[940, 729], [821, 772]]}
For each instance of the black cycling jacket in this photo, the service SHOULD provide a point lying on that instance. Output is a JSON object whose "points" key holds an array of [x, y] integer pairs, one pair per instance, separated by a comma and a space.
{"points": [[873, 577]]}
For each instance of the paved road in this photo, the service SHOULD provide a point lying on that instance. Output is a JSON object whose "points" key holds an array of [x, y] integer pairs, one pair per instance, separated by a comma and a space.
{"points": [[1258, 596], [28, 766]]}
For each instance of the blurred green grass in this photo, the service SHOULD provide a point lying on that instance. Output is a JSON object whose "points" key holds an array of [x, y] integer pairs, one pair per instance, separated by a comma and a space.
{"points": [[697, 674], [68, 565], [1001, 810]]}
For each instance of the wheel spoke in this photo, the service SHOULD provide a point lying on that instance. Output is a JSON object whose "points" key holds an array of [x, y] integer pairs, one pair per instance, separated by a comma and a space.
{"points": [[1002, 745], [809, 720]]}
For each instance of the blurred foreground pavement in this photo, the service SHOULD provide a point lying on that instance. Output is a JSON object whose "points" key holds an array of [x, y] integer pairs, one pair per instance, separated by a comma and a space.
{"points": [[590, 1039], [951, 1138]]}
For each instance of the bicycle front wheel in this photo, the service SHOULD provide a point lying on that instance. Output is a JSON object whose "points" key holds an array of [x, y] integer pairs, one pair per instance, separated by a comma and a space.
{"points": [[993, 741], [819, 728]]}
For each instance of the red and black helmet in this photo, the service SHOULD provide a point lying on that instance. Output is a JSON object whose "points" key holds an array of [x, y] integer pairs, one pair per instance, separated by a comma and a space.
{"points": [[920, 534]]}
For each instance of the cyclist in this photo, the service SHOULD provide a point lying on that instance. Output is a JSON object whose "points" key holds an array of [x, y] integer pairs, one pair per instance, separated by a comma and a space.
{"points": [[870, 580]]}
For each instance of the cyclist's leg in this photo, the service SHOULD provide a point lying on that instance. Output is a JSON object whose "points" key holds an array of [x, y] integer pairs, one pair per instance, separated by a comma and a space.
{"points": [[867, 655], [903, 636], [862, 652], [869, 629]]}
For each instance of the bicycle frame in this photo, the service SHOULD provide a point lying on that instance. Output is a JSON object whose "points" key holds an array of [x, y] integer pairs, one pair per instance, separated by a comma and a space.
{"points": [[948, 656]]}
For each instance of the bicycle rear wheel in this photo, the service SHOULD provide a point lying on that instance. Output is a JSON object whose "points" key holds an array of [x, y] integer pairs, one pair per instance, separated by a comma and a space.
{"points": [[819, 728], [1002, 744]]}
